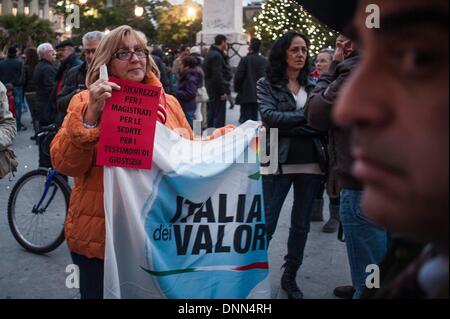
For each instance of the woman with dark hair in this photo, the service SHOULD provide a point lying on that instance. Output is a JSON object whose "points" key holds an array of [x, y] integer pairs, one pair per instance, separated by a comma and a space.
{"points": [[29, 88], [301, 159]]}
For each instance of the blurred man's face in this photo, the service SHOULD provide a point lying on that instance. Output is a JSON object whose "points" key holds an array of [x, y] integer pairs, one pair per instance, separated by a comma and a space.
{"points": [[346, 44], [50, 55], [186, 52], [397, 103], [224, 46], [89, 48], [64, 52]]}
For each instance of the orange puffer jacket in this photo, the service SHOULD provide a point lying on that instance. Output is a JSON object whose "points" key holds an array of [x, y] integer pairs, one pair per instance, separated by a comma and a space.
{"points": [[74, 152]]}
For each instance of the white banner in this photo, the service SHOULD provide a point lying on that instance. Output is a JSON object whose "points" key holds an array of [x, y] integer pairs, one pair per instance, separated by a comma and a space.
{"points": [[192, 227]]}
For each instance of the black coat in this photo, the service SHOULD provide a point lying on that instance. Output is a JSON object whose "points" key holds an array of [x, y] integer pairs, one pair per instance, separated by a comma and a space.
{"points": [[250, 70], [44, 78], [318, 110], [187, 88], [10, 71], [71, 61], [74, 82], [166, 76], [217, 73], [297, 142], [27, 78]]}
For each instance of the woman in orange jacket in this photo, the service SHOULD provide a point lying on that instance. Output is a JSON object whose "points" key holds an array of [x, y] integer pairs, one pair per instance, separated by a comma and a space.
{"points": [[74, 148]]}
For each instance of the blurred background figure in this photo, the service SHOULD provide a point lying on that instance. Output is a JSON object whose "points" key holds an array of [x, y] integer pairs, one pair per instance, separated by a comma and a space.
{"points": [[31, 59], [191, 79], [44, 79], [7, 123], [164, 70], [323, 61], [11, 72], [10, 95], [75, 79], [251, 68], [218, 79]]}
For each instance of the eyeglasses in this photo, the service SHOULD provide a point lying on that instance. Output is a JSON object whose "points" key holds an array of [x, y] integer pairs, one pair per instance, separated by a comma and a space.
{"points": [[125, 55], [89, 51]]}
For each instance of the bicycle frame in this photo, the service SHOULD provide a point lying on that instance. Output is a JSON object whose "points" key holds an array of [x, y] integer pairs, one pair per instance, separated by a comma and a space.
{"points": [[51, 176]]}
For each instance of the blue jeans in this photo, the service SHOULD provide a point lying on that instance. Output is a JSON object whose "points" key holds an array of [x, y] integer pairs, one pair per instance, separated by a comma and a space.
{"points": [[366, 243], [19, 102], [275, 189]]}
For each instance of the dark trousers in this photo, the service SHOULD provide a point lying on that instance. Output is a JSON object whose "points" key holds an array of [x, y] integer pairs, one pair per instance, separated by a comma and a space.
{"points": [[275, 189], [91, 276], [249, 112], [216, 113]]}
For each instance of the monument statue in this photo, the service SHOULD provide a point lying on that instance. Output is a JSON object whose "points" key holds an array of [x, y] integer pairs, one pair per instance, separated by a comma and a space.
{"points": [[224, 17]]}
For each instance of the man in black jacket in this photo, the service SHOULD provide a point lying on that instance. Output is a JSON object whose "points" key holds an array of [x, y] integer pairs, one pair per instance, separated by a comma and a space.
{"points": [[165, 71], [44, 77], [74, 81], [366, 243], [218, 78], [250, 70], [65, 52], [10, 72]]}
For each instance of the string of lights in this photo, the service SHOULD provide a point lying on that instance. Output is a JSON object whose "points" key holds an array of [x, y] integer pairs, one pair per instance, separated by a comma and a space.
{"points": [[280, 16]]}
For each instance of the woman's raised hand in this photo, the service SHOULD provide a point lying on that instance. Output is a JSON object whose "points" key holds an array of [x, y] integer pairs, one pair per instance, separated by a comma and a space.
{"points": [[99, 92]]}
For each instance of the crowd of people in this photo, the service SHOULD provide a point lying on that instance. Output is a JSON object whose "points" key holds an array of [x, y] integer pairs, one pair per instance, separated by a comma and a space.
{"points": [[366, 123]]}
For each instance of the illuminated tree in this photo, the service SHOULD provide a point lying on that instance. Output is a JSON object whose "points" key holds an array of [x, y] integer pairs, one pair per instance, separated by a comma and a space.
{"points": [[178, 24], [96, 15], [24, 30], [280, 16]]}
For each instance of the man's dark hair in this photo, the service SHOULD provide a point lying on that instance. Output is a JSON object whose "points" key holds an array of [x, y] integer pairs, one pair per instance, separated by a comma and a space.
{"points": [[158, 52], [218, 40], [255, 44], [183, 47], [277, 69], [190, 61], [65, 43], [12, 51]]}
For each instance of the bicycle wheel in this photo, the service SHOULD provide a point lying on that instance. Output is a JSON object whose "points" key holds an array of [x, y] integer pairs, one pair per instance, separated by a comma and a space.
{"points": [[38, 228]]}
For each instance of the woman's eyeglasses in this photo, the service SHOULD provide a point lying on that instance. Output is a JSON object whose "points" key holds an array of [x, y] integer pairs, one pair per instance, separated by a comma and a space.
{"points": [[125, 55]]}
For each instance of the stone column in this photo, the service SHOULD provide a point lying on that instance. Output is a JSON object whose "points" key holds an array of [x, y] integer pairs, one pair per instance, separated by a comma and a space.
{"points": [[7, 7], [34, 7], [46, 10], [224, 17], [20, 7]]}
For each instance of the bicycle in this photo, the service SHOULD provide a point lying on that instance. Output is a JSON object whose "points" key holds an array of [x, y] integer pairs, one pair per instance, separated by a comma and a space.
{"points": [[37, 206]]}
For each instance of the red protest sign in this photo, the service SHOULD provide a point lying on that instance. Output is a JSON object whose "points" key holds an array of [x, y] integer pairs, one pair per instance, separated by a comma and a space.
{"points": [[128, 126]]}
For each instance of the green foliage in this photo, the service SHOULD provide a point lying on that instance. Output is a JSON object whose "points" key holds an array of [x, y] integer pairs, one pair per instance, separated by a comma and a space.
{"points": [[94, 15], [24, 30], [176, 27], [281, 16]]}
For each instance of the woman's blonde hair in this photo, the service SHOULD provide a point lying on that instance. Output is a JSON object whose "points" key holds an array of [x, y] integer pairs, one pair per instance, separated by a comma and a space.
{"points": [[109, 45]]}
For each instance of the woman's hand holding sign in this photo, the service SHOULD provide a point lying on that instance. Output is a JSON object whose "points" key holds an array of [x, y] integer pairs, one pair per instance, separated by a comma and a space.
{"points": [[99, 92]]}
